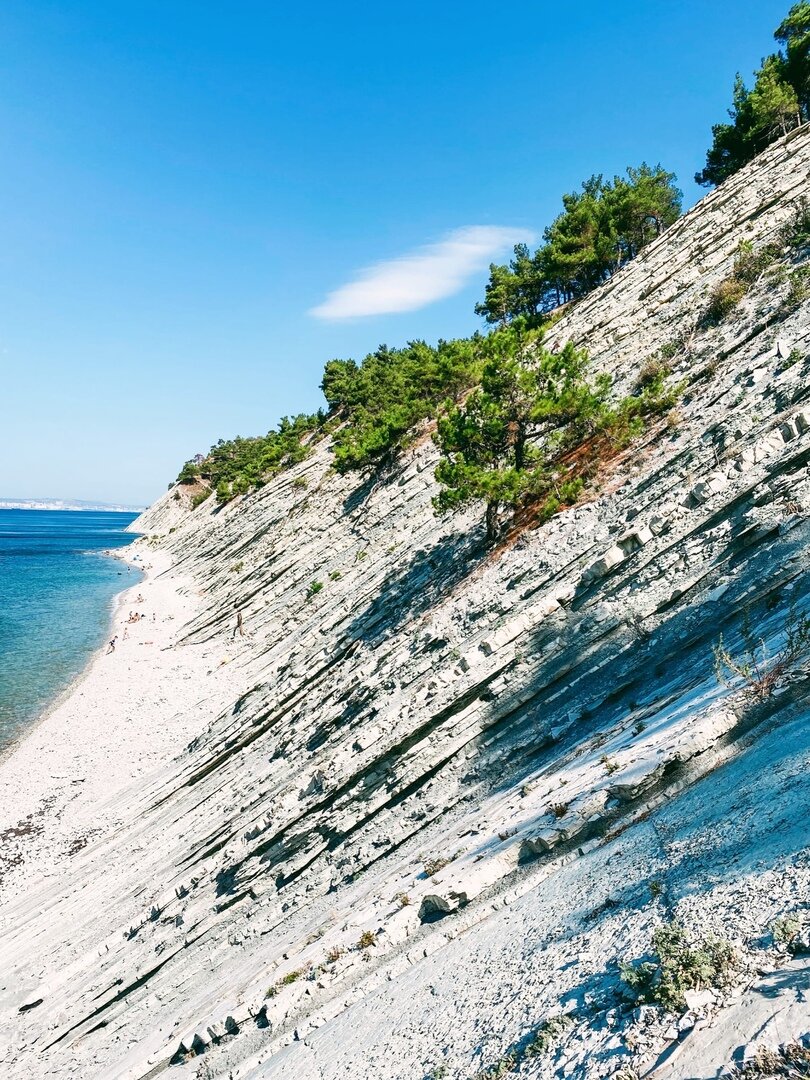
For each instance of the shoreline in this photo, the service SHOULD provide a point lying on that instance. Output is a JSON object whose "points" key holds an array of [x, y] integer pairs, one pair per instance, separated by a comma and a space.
{"points": [[66, 783], [62, 695]]}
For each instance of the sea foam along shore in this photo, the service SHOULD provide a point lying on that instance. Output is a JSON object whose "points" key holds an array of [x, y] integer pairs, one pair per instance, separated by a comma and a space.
{"points": [[64, 785]]}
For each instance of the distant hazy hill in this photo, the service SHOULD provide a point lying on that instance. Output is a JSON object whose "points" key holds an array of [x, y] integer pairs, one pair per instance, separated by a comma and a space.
{"points": [[64, 504]]}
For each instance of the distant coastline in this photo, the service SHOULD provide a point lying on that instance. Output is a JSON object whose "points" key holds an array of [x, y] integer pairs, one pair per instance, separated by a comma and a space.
{"points": [[68, 504]]}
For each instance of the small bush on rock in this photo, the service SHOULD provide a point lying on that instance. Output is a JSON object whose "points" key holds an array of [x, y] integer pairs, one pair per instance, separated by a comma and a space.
{"points": [[796, 232], [791, 1061], [799, 288], [760, 672], [547, 1035], [749, 266], [653, 371], [434, 865], [679, 965], [788, 935], [723, 300]]}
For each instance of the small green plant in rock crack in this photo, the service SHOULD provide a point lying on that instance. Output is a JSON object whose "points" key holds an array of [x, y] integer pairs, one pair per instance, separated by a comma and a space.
{"points": [[313, 589], [300, 482], [656, 888], [798, 288], [794, 357], [499, 1068], [759, 671], [547, 1035], [285, 980], [749, 266], [366, 940], [610, 766], [796, 232], [335, 575], [679, 965], [653, 371], [786, 933]]}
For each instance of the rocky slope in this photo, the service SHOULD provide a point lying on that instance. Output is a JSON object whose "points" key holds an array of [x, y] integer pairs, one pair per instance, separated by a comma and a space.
{"points": [[431, 819]]}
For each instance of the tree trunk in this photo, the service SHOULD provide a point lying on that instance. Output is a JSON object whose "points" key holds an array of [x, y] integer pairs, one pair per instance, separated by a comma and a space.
{"points": [[520, 449], [492, 521]]}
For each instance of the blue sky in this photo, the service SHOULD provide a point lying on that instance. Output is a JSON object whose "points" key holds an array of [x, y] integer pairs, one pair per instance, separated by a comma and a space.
{"points": [[187, 190]]}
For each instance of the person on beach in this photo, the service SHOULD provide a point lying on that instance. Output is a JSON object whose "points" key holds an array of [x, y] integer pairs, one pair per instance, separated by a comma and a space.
{"points": [[239, 628], [111, 646]]}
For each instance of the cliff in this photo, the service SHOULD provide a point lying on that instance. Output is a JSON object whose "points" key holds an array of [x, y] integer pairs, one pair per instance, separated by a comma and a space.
{"points": [[454, 788]]}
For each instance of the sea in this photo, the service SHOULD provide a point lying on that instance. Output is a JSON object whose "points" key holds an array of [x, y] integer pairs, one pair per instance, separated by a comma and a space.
{"points": [[56, 601]]}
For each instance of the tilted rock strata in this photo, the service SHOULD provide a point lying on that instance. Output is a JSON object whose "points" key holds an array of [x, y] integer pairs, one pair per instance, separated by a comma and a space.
{"points": [[439, 731]]}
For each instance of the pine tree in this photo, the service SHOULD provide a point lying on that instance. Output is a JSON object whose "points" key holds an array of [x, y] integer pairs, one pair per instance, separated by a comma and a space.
{"points": [[778, 102], [500, 443]]}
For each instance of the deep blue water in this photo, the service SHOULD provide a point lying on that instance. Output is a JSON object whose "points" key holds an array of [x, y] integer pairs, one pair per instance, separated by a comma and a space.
{"points": [[56, 592]]}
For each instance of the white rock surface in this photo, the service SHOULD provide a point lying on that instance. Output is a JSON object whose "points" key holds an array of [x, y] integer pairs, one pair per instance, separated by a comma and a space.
{"points": [[424, 807]]}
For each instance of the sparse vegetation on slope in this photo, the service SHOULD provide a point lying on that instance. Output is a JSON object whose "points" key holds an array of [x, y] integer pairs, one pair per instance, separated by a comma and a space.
{"points": [[234, 466], [760, 672], [679, 965]]}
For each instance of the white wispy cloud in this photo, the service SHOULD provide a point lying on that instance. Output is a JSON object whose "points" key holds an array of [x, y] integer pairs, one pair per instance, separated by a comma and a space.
{"points": [[421, 277]]}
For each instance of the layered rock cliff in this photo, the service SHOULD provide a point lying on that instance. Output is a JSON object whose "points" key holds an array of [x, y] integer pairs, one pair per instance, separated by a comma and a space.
{"points": [[457, 787]]}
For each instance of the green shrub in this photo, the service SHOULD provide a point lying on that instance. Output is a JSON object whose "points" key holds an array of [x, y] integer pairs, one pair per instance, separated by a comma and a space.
{"points": [[366, 939], [313, 589], [499, 1068], [679, 965], [724, 299], [796, 232], [749, 266], [547, 1035], [785, 932], [653, 372], [799, 288], [199, 498], [285, 980], [794, 357]]}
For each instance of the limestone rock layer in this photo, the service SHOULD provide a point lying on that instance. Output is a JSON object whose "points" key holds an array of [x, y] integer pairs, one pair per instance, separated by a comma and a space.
{"points": [[429, 818]]}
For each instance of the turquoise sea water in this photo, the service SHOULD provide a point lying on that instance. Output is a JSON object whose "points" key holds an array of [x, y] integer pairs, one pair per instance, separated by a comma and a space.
{"points": [[56, 592]]}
